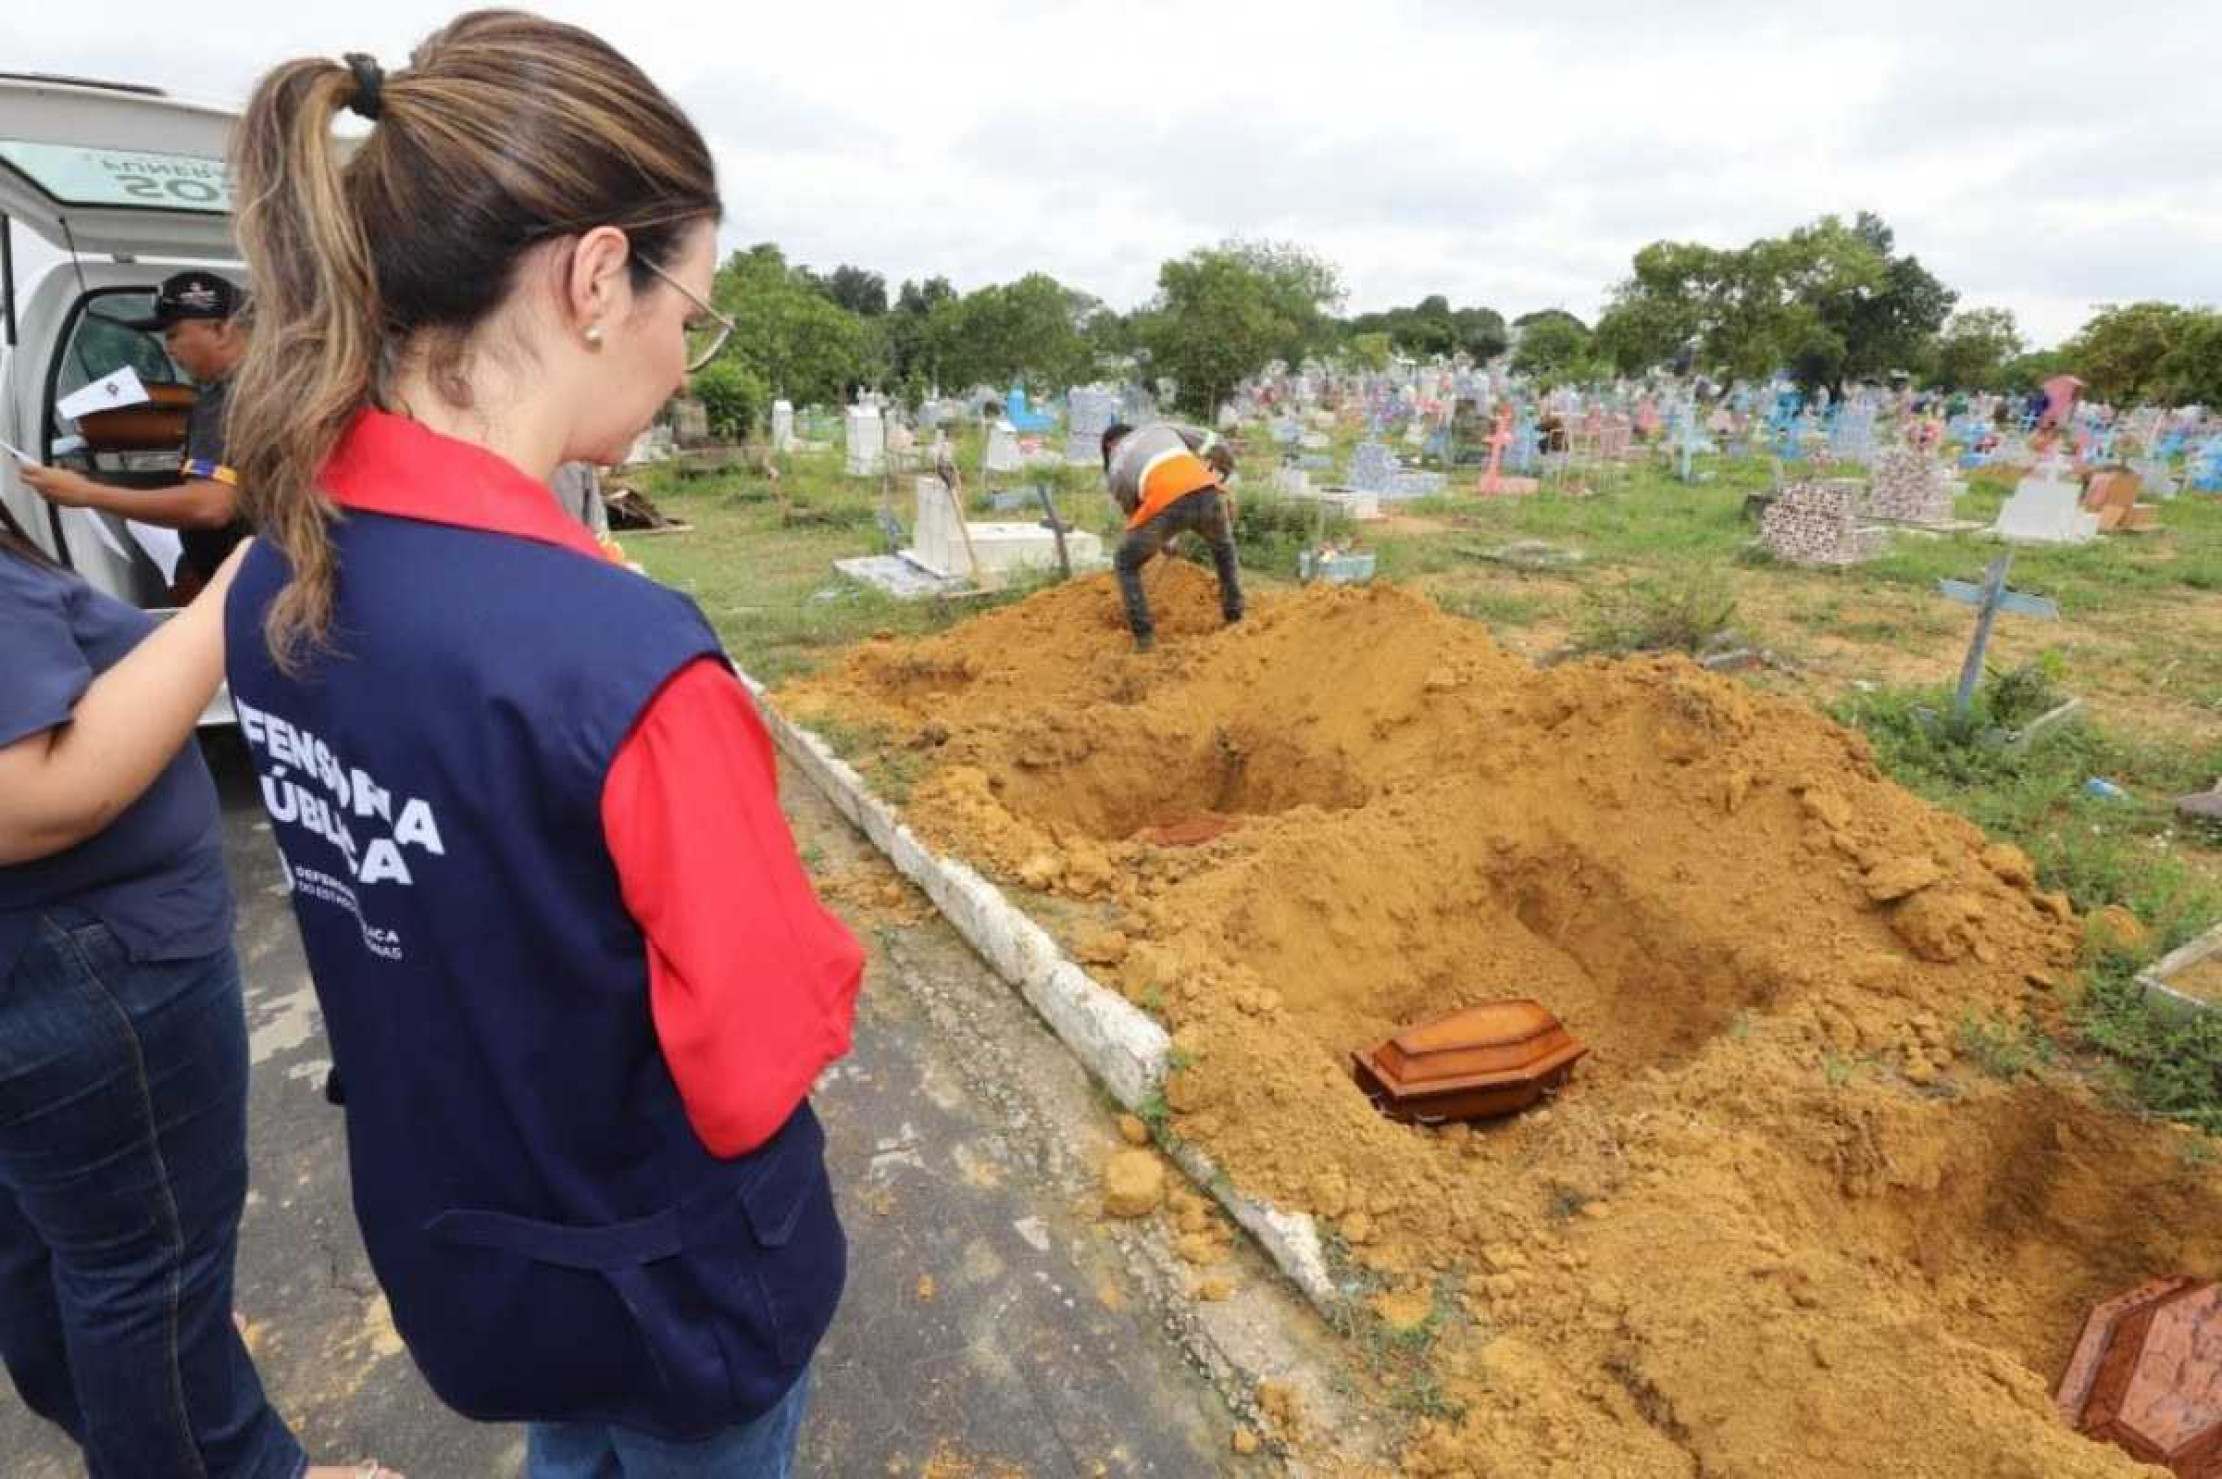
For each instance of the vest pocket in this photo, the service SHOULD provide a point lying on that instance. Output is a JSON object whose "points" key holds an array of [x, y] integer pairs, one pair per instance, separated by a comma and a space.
{"points": [[803, 1254], [552, 1321], [726, 1294]]}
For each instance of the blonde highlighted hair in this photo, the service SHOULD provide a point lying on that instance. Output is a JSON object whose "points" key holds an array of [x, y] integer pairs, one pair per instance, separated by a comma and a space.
{"points": [[504, 131]]}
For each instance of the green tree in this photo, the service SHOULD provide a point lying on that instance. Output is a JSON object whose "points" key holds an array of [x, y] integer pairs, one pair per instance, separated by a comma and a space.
{"points": [[1830, 300], [1432, 327], [1223, 313], [1552, 346], [1481, 332], [2191, 373], [1032, 331], [1973, 350], [732, 396], [912, 363], [1635, 335], [862, 293], [1550, 315], [1369, 351], [1885, 308], [797, 341], [2025, 372], [2145, 352]]}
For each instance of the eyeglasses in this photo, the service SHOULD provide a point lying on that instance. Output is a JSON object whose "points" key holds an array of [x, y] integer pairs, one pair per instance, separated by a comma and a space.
{"points": [[705, 341]]}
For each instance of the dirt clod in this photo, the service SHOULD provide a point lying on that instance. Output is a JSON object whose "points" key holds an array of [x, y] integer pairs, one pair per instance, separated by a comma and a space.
{"points": [[1133, 1184]]}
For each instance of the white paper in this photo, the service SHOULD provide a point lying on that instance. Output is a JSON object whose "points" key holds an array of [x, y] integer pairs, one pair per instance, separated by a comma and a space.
{"points": [[121, 388], [105, 530], [162, 546], [17, 452]]}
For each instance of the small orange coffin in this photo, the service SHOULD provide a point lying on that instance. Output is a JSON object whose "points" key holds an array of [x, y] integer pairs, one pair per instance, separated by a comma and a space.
{"points": [[1496, 1058]]}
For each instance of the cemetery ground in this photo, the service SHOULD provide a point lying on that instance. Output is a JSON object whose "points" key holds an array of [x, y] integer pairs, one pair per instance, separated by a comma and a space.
{"points": [[1646, 563], [1910, 1184]]}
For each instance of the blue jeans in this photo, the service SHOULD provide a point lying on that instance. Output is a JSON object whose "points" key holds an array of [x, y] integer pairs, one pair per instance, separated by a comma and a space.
{"points": [[123, 1168], [762, 1449]]}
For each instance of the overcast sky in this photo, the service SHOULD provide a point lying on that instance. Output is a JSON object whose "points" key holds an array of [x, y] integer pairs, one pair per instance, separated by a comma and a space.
{"points": [[2038, 155]]}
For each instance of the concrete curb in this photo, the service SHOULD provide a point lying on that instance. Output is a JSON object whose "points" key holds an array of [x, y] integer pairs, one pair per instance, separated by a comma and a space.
{"points": [[1116, 1041]]}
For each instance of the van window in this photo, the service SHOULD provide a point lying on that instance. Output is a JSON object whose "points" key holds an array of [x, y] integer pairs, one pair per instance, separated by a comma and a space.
{"points": [[72, 175], [101, 343]]}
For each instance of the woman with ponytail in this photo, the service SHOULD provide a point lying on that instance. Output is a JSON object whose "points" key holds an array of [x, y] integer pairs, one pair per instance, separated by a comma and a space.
{"points": [[576, 982]]}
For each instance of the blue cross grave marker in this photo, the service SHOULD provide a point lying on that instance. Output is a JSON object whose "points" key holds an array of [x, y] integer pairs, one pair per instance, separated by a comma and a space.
{"points": [[1988, 599]]}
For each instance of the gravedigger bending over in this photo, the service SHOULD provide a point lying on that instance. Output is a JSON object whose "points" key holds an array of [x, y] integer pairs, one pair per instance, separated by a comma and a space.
{"points": [[1167, 478]]}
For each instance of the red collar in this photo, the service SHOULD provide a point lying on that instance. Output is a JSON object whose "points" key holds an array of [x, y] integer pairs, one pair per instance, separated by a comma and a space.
{"points": [[388, 464]]}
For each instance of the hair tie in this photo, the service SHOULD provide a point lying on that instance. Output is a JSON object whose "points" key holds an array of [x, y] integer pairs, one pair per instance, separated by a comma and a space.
{"points": [[370, 79]]}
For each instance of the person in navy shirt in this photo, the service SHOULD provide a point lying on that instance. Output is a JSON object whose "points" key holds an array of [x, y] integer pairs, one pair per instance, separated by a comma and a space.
{"points": [[123, 1040], [576, 982]]}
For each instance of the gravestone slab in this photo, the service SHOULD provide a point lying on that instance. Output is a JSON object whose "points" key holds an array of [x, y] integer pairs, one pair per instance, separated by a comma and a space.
{"points": [[945, 543], [1908, 489], [1817, 522], [1088, 415], [2158, 480], [1372, 467], [1002, 454], [2046, 511], [783, 426], [865, 437]]}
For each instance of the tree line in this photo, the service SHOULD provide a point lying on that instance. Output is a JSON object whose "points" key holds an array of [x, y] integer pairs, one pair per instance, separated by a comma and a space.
{"points": [[1830, 303]]}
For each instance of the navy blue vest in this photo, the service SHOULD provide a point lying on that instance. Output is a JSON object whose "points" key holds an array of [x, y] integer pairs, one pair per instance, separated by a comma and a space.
{"points": [[556, 1242]]}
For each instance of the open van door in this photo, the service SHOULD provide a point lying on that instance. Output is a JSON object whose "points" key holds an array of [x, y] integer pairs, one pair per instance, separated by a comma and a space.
{"points": [[115, 171], [124, 182]]}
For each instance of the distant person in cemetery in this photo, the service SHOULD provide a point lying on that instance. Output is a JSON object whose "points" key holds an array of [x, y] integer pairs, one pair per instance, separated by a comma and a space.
{"points": [[1169, 480]]}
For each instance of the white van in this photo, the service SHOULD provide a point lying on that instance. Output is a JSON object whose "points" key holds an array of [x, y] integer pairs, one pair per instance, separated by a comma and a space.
{"points": [[126, 183]]}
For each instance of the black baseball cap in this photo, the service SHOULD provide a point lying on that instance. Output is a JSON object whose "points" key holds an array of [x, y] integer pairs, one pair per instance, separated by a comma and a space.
{"points": [[191, 295]]}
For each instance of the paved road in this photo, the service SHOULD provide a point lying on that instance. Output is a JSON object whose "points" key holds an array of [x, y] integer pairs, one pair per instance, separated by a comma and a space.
{"points": [[993, 1325]]}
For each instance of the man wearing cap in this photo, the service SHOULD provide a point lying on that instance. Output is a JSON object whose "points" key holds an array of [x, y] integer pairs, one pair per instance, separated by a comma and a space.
{"points": [[197, 314]]}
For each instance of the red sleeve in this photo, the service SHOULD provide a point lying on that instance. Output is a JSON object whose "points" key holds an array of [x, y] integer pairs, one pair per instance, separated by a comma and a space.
{"points": [[751, 982]]}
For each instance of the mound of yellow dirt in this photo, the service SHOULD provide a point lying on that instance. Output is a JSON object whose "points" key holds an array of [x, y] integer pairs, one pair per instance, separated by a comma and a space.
{"points": [[1773, 1226]]}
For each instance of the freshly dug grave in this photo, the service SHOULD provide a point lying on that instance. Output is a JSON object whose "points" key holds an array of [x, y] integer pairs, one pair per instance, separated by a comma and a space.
{"points": [[1777, 1223]]}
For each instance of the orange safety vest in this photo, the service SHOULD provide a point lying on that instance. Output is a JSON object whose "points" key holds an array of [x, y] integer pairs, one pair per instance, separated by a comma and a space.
{"points": [[1170, 477]]}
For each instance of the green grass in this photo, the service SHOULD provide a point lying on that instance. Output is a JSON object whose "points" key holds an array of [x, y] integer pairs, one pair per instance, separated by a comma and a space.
{"points": [[1494, 606], [2160, 1064], [1684, 610], [2000, 1049], [2099, 851]]}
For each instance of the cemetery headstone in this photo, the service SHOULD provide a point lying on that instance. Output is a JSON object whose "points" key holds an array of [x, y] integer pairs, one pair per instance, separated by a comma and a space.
{"points": [[1088, 414], [2112, 495], [690, 422], [1988, 599], [1372, 467], [1908, 489], [2046, 510], [783, 426], [1852, 434], [1002, 453], [1816, 522], [866, 441], [2157, 480]]}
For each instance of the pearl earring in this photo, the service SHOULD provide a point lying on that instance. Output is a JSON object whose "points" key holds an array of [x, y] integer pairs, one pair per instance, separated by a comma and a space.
{"points": [[594, 335]]}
